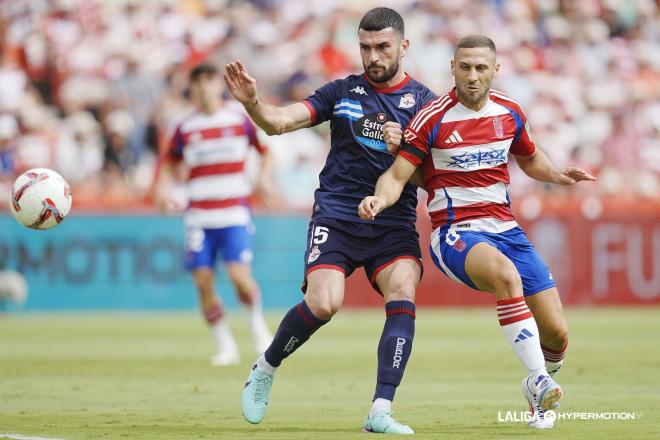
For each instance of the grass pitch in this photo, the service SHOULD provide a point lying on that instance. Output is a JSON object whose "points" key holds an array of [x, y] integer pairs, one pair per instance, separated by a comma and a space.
{"points": [[147, 376]]}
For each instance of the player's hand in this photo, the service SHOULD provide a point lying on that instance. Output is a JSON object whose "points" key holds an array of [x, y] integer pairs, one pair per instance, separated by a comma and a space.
{"points": [[240, 84], [572, 175], [392, 135], [268, 194], [370, 207], [166, 204]]}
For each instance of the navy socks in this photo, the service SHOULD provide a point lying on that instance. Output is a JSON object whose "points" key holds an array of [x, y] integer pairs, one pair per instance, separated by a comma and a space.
{"points": [[295, 329], [395, 347]]}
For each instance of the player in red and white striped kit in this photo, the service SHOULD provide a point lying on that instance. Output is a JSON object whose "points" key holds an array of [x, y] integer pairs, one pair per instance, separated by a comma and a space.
{"points": [[214, 141], [462, 141]]}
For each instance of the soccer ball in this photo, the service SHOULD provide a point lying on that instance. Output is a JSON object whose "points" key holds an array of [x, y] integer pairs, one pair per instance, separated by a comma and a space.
{"points": [[40, 198]]}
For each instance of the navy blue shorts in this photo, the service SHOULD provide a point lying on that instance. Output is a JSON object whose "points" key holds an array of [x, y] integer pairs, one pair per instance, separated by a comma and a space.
{"points": [[234, 243], [450, 248], [345, 246]]}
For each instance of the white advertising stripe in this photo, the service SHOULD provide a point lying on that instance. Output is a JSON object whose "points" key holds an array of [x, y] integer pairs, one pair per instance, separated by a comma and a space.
{"points": [[469, 196], [217, 218], [461, 113], [348, 112], [210, 151], [226, 186], [346, 104], [472, 157]]}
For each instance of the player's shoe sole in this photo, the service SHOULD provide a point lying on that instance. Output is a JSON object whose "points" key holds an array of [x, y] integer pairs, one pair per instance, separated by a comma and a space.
{"points": [[255, 395]]}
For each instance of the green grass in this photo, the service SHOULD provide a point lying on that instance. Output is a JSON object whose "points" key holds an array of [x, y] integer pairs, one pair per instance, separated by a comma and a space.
{"points": [[147, 376]]}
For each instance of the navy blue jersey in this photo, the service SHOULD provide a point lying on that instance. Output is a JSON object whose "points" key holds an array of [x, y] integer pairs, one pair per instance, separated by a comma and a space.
{"points": [[358, 155]]}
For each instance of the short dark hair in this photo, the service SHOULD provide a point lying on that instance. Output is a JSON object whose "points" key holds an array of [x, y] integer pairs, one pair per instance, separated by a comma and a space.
{"points": [[381, 18], [476, 41], [203, 69]]}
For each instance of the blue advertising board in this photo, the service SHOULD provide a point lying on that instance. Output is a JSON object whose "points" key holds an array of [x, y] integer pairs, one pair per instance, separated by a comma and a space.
{"points": [[136, 262]]}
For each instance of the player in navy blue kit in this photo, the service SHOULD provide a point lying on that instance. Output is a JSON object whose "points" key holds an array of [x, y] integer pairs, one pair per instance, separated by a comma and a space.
{"points": [[338, 240]]}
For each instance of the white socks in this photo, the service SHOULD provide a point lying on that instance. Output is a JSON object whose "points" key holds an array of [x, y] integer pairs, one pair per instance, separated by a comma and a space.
{"points": [[381, 405], [521, 331]]}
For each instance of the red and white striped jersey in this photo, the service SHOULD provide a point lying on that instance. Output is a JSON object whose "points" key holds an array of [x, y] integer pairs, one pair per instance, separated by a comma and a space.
{"points": [[214, 149], [464, 155]]}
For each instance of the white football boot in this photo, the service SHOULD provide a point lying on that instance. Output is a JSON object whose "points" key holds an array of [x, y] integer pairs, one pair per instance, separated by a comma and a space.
{"points": [[542, 394]]}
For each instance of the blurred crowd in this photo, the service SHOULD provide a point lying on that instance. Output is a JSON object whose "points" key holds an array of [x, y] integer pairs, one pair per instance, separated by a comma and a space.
{"points": [[92, 88]]}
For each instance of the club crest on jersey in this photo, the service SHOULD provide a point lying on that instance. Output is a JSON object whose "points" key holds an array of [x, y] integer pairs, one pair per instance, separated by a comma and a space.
{"points": [[407, 101], [314, 254], [498, 127], [369, 131]]}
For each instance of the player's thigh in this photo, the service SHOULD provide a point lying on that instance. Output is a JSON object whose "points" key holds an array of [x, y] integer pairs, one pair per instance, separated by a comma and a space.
{"points": [[200, 247], [237, 244], [398, 281], [534, 273], [204, 279], [240, 275], [486, 266], [549, 315], [473, 258], [325, 291], [394, 263]]}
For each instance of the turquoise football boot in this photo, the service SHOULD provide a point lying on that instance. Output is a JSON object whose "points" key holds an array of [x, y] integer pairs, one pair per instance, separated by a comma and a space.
{"points": [[255, 395]]}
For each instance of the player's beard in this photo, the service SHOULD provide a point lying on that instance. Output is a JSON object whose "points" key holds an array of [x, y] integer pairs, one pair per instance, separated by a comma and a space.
{"points": [[472, 99], [384, 75]]}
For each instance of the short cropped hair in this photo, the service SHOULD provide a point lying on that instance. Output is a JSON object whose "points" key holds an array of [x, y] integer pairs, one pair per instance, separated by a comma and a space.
{"points": [[203, 69], [381, 18], [476, 41]]}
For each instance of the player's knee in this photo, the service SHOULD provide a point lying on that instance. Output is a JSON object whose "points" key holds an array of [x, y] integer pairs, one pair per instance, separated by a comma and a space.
{"points": [[403, 290], [557, 337], [507, 283], [322, 303]]}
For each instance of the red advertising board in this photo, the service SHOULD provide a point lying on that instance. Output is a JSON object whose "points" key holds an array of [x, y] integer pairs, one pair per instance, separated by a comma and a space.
{"points": [[599, 252]]}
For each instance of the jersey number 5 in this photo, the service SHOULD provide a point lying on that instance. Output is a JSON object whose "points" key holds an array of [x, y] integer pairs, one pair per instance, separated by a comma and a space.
{"points": [[320, 235]]}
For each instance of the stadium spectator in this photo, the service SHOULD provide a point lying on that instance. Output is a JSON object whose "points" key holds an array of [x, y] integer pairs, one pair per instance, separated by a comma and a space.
{"points": [[575, 66]]}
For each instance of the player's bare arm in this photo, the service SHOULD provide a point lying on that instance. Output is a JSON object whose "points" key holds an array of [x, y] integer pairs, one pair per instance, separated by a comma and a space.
{"points": [[272, 119], [538, 166], [265, 187], [162, 188], [393, 135], [388, 189]]}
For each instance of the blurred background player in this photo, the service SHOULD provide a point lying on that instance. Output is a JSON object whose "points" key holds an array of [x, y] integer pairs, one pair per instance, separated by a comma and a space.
{"points": [[213, 141], [338, 241], [461, 141]]}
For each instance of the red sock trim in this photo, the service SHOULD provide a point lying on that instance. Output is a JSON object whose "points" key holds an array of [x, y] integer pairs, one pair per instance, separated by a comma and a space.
{"points": [[552, 355], [512, 310], [400, 311]]}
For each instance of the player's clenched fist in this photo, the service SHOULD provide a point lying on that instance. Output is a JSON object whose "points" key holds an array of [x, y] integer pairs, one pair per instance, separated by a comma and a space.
{"points": [[369, 207], [392, 135]]}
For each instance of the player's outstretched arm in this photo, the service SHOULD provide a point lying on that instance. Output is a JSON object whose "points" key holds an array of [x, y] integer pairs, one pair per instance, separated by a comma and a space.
{"points": [[538, 166], [393, 135], [271, 119], [388, 189]]}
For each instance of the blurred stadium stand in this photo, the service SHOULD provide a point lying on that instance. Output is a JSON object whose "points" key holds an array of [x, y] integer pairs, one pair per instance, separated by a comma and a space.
{"points": [[91, 89]]}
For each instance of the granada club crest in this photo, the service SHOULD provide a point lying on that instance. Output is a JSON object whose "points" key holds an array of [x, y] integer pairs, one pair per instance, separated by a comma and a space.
{"points": [[498, 127]]}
